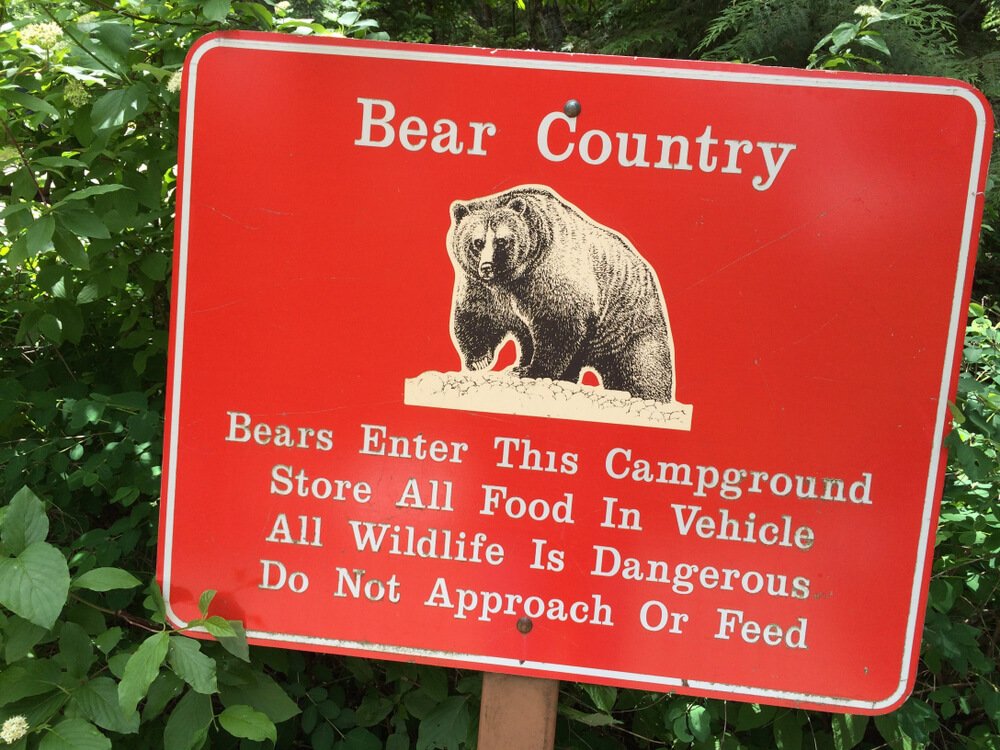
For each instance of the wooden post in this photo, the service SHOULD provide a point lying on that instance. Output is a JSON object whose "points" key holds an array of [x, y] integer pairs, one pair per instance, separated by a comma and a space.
{"points": [[517, 712]]}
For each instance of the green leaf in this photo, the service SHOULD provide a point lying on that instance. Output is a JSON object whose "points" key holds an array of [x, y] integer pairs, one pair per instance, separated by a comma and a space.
{"points": [[916, 720], [191, 665], [681, 730], [76, 652], [106, 579], [83, 223], [217, 10], [155, 266], [39, 234], [24, 523], [141, 670], [373, 709], [590, 719], [115, 108], [219, 627], [116, 36], [322, 737], [420, 704], [205, 601], [874, 41], [361, 739], [263, 694], [74, 734], [848, 730], [57, 161], [700, 722], [87, 192], [245, 722], [189, 722], [236, 644], [603, 697], [20, 637], [29, 102], [888, 727], [259, 10], [434, 682], [18, 252], [51, 328], [164, 689], [42, 712], [97, 700], [788, 731], [154, 602], [35, 584], [108, 639], [447, 726], [34, 677], [89, 293], [68, 246], [843, 35]]}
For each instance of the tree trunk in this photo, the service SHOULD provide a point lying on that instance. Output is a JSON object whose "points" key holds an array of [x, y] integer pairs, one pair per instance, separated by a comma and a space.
{"points": [[555, 28]]}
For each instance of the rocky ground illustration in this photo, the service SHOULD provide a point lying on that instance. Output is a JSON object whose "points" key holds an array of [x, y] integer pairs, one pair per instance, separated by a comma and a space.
{"points": [[505, 393]]}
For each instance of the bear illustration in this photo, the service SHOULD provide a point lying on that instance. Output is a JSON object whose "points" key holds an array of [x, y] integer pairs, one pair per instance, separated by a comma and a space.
{"points": [[572, 293]]}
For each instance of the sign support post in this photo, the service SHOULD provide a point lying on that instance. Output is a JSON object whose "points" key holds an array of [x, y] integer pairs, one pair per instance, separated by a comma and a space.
{"points": [[517, 712]]}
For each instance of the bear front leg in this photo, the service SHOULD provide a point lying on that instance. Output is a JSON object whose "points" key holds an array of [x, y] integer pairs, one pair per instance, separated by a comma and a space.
{"points": [[479, 324], [525, 345]]}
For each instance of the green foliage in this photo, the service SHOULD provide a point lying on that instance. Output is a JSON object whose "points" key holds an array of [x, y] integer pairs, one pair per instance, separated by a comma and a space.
{"points": [[838, 48], [898, 36], [89, 99]]}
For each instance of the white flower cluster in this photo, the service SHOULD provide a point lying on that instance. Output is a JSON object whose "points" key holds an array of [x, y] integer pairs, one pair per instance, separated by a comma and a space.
{"points": [[867, 11], [14, 729], [174, 82], [44, 35], [504, 393], [76, 94]]}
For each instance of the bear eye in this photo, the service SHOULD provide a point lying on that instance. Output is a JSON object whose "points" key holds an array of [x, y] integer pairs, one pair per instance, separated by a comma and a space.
{"points": [[478, 244], [501, 243]]}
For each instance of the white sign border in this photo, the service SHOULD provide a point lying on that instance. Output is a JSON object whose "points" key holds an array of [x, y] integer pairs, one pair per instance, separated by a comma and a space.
{"points": [[739, 74]]}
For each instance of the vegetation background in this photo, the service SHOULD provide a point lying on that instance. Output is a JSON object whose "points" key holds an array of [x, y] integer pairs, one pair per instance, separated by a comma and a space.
{"points": [[89, 103]]}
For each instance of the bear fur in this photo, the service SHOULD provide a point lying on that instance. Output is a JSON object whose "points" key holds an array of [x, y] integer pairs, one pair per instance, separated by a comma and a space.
{"points": [[572, 293]]}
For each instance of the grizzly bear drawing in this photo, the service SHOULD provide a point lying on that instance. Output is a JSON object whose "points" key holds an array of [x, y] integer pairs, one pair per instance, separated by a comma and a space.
{"points": [[572, 293]]}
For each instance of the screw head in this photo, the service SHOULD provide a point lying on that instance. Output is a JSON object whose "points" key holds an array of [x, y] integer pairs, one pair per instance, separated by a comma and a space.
{"points": [[524, 625], [572, 108]]}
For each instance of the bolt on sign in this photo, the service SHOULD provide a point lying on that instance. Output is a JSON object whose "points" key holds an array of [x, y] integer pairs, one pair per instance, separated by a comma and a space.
{"points": [[624, 371]]}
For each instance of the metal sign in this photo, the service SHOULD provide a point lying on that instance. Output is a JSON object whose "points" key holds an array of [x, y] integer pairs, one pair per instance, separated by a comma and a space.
{"points": [[613, 370]]}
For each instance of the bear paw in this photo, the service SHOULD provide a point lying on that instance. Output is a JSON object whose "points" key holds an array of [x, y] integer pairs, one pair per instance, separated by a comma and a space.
{"points": [[483, 363]]}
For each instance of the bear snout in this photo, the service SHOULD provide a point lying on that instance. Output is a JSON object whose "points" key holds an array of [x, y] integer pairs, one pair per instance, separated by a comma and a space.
{"points": [[486, 270]]}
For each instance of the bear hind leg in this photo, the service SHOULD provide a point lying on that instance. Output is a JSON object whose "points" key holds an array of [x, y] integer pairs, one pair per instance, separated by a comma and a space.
{"points": [[643, 369]]}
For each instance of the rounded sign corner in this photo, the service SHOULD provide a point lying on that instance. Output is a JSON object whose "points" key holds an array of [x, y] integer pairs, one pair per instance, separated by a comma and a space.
{"points": [[976, 99], [897, 698], [173, 619], [203, 45]]}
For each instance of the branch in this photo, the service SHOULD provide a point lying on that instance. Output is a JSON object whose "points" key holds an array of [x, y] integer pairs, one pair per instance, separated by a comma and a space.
{"points": [[17, 145], [131, 619]]}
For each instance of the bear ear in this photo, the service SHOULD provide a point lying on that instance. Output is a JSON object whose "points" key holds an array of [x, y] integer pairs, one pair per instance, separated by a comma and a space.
{"points": [[518, 205], [459, 210]]}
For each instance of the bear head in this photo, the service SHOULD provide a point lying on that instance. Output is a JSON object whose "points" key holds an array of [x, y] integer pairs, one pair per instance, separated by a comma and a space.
{"points": [[495, 240]]}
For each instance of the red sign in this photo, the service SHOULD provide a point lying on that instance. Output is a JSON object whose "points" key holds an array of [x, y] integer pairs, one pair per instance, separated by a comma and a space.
{"points": [[625, 371]]}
